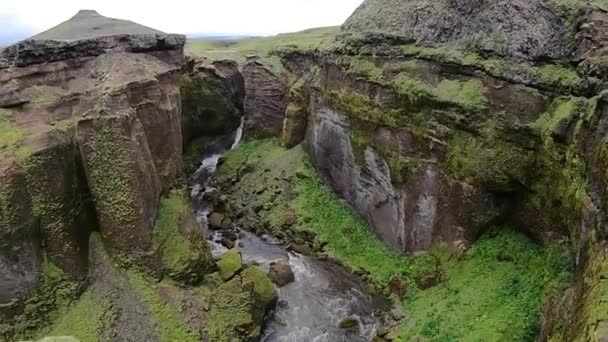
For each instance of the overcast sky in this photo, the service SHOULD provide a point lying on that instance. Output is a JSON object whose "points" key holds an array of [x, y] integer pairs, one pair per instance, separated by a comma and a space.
{"points": [[22, 18]]}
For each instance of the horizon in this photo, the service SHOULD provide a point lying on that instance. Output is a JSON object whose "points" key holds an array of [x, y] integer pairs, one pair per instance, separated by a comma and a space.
{"points": [[242, 18]]}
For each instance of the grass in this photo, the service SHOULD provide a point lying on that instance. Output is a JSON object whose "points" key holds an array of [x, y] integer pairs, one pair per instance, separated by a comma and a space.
{"points": [[238, 49], [494, 294], [169, 324], [82, 320], [347, 236]]}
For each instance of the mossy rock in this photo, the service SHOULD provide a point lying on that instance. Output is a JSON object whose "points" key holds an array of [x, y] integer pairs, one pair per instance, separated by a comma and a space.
{"points": [[230, 264], [348, 323], [180, 240], [262, 285], [231, 313]]}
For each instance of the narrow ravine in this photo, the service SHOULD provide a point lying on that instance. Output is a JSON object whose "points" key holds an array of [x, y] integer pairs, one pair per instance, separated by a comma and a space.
{"points": [[323, 294]]}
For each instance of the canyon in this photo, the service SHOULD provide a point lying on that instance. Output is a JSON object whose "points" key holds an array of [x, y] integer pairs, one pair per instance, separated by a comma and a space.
{"points": [[439, 166]]}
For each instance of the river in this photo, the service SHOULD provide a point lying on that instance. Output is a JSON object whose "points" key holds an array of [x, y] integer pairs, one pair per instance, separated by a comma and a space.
{"points": [[323, 294]]}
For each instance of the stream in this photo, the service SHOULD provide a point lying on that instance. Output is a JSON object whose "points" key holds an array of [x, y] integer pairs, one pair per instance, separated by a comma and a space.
{"points": [[323, 294]]}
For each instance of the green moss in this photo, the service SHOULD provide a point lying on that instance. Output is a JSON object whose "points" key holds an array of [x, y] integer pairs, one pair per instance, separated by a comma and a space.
{"points": [[556, 76], [181, 254], [362, 67], [413, 90], [11, 136], [496, 164], [52, 296], [468, 94], [362, 108], [347, 236], [168, 323], [495, 293], [262, 286], [230, 264], [560, 183], [110, 167], [82, 320], [231, 313]]}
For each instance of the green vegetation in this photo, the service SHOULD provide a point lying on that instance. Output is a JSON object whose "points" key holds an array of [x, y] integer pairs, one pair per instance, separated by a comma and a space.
{"points": [[238, 49], [364, 67], [262, 286], [230, 264], [83, 320], [494, 293], [11, 136], [468, 94], [169, 324], [495, 164], [182, 255], [110, 172], [556, 76], [52, 296], [413, 90], [561, 176], [231, 313], [362, 108]]}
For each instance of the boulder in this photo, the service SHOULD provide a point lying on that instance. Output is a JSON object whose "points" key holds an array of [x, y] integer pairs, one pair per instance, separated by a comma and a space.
{"points": [[281, 273], [216, 219], [230, 264], [262, 286]]}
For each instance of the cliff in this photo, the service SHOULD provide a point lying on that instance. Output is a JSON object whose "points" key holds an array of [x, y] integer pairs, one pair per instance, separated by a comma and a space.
{"points": [[91, 144], [435, 121]]}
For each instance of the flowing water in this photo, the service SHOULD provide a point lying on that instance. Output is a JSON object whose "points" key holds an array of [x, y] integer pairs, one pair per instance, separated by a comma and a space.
{"points": [[323, 294]]}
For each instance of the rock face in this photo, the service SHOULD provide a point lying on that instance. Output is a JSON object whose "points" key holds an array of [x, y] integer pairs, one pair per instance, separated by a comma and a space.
{"points": [[433, 125], [212, 98], [91, 138], [265, 101], [532, 30]]}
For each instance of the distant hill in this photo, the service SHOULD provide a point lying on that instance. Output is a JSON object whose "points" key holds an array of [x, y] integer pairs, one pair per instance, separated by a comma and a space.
{"points": [[237, 48], [90, 24]]}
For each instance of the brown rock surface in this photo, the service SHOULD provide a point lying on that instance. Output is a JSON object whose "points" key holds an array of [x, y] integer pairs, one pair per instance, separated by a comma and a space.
{"points": [[265, 101]]}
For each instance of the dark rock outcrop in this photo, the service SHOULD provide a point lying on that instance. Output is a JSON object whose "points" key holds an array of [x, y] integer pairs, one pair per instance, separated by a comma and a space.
{"points": [[265, 101], [531, 30], [212, 98]]}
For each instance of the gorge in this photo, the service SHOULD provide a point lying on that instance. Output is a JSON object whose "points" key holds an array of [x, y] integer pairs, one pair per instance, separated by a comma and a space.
{"points": [[429, 171]]}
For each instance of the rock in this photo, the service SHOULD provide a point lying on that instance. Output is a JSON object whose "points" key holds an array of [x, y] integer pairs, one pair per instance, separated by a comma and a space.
{"points": [[281, 273], [220, 87], [230, 235], [230, 264], [262, 286], [348, 323], [96, 113], [230, 244], [535, 29], [302, 248], [216, 219], [265, 101]]}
